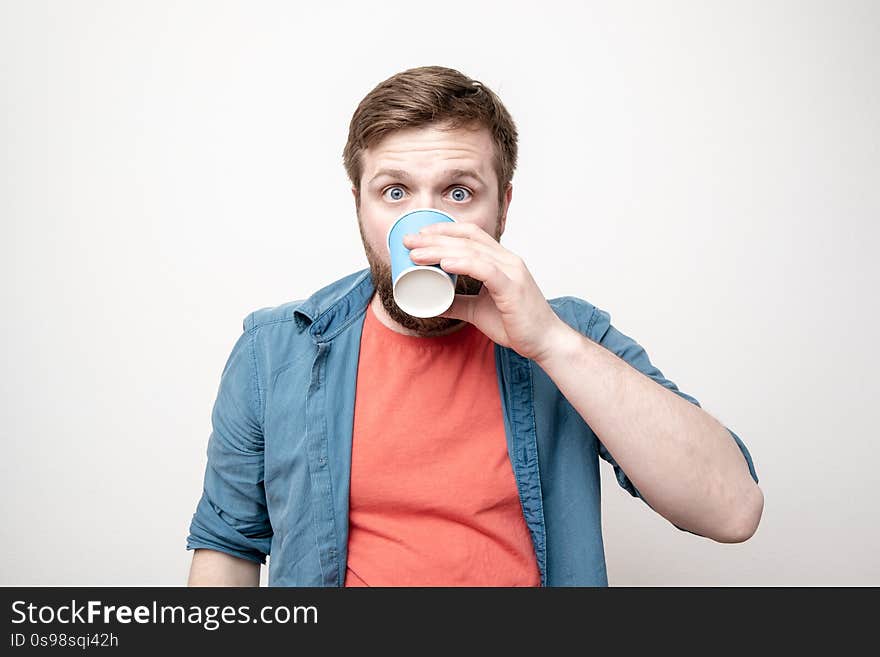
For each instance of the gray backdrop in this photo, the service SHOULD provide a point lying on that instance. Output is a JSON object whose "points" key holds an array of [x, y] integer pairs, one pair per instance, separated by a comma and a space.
{"points": [[709, 173]]}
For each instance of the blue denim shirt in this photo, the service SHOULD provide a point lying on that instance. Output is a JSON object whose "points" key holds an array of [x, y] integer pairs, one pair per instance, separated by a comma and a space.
{"points": [[279, 453]]}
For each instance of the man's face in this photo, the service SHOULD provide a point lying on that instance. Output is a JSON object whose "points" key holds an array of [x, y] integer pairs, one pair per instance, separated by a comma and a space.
{"points": [[423, 168]]}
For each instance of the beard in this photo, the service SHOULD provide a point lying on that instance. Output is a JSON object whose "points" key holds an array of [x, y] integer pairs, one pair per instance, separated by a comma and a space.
{"points": [[380, 270]]}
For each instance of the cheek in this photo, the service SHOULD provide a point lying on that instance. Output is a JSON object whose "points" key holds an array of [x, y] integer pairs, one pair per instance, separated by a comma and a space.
{"points": [[482, 212], [483, 219], [375, 234], [372, 224]]}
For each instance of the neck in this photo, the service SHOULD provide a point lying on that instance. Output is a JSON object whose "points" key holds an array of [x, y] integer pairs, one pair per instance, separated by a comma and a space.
{"points": [[386, 319]]}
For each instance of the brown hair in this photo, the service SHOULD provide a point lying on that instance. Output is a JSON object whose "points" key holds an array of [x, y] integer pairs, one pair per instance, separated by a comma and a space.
{"points": [[428, 95]]}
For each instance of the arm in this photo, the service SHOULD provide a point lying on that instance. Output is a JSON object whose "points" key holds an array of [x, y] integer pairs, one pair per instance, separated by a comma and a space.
{"points": [[232, 516], [683, 461], [688, 465], [214, 568]]}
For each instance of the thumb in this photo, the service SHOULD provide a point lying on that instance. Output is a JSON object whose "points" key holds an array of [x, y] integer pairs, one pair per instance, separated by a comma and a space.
{"points": [[461, 307]]}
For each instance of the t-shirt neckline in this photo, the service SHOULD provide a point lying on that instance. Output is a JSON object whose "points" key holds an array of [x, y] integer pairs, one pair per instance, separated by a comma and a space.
{"points": [[462, 335]]}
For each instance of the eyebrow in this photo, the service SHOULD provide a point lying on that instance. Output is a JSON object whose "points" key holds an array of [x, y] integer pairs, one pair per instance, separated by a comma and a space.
{"points": [[452, 174]]}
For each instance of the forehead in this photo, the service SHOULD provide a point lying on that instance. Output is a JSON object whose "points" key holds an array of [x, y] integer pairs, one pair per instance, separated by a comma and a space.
{"points": [[428, 148]]}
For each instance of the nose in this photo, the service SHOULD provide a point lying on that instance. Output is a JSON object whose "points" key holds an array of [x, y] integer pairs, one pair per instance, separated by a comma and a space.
{"points": [[426, 199]]}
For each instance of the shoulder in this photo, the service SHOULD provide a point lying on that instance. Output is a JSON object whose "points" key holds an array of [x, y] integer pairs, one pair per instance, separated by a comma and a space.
{"points": [[283, 312], [578, 313], [302, 312]]}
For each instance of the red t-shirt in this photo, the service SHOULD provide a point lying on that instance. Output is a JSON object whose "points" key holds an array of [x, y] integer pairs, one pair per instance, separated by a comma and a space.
{"points": [[433, 499]]}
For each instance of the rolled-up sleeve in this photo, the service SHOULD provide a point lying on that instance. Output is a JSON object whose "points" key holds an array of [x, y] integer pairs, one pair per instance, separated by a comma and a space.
{"points": [[603, 332], [231, 515]]}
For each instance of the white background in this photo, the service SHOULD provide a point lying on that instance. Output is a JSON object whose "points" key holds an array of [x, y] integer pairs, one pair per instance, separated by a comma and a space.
{"points": [[709, 173]]}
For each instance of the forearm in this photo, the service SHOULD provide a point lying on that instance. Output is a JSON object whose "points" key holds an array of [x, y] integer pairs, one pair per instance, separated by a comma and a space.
{"points": [[215, 568], [683, 461]]}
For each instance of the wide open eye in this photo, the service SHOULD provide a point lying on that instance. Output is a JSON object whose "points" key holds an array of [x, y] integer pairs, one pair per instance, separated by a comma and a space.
{"points": [[394, 197], [460, 194]]}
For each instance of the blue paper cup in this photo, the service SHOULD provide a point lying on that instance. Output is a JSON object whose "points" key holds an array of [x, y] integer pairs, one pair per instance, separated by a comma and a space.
{"points": [[419, 290]]}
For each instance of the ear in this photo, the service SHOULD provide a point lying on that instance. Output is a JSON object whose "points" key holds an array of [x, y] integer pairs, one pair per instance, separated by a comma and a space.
{"points": [[357, 200], [502, 221]]}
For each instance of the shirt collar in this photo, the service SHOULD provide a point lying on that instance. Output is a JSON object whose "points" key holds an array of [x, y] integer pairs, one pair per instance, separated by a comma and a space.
{"points": [[328, 310]]}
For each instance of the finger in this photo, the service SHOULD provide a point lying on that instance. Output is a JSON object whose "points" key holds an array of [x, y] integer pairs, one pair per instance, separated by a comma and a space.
{"points": [[459, 229], [494, 250], [433, 255], [492, 276]]}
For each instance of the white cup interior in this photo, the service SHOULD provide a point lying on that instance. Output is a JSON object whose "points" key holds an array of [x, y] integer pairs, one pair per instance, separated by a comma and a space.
{"points": [[424, 291]]}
